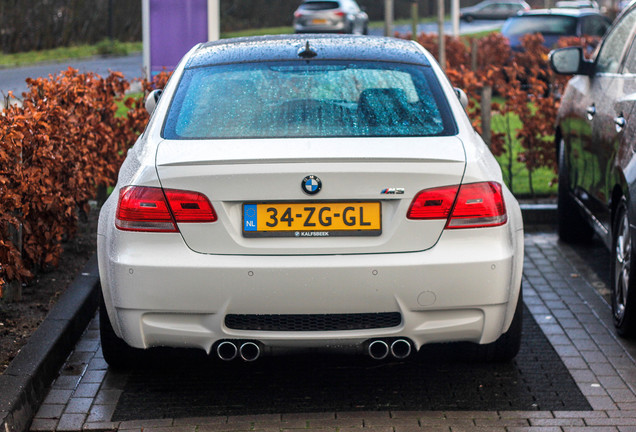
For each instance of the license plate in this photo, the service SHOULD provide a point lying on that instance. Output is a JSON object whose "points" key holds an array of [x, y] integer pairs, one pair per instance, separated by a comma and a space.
{"points": [[319, 21], [326, 219]]}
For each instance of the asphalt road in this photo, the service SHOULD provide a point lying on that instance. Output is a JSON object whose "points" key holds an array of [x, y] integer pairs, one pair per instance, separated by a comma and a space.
{"points": [[13, 79]]}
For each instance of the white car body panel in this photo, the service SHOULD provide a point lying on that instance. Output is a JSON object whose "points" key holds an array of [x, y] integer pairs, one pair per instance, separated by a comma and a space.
{"points": [[174, 289]]}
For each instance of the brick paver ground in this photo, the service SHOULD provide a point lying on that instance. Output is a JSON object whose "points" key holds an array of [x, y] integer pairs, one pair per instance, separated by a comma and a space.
{"points": [[561, 290]]}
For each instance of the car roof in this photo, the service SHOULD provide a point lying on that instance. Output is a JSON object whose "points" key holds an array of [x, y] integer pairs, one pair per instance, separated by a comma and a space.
{"points": [[288, 47], [560, 12]]}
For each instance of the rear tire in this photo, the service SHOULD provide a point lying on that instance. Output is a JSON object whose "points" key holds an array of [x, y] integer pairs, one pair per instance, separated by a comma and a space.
{"points": [[507, 346], [572, 226], [623, 279], [117, 353]]}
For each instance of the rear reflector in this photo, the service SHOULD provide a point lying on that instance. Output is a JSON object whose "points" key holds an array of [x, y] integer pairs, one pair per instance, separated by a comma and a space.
{"points": [[477, 205], [142, 208]]}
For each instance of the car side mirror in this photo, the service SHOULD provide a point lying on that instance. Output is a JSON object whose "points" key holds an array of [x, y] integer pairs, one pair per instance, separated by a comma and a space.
{"points": [[570, 61], [461, 95], [152, 100]]}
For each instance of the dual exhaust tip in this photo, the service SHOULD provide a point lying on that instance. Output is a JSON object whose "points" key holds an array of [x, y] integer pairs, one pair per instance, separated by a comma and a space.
{"points": [[399, 349], [248, 351], [377, 349]]}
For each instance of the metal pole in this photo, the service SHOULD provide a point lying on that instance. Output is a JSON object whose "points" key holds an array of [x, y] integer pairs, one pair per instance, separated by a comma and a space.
{"points": [[415, 19], [455, 17], [214, 20], [440, 33], [388, 17]]}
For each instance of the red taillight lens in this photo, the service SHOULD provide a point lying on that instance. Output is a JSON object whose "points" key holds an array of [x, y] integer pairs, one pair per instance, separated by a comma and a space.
{"points": [[298, 14], [190, 206], [142, 208], [433, 203], [477, 205], [339, 13]]}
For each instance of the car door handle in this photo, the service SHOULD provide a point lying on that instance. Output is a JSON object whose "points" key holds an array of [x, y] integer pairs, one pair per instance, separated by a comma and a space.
{"points": [[591, 111], [620, 123]]}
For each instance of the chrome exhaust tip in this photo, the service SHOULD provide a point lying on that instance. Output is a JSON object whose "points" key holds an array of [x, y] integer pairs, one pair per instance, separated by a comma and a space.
{"points": [[227, 350], [378, 350], [250, 351], [401, 349]]}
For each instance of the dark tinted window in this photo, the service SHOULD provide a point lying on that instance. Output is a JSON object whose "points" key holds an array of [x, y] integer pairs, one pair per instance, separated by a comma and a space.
{"points": [[317, 99], [609, 58], [594, 26], [544, 24], [320, 5]]}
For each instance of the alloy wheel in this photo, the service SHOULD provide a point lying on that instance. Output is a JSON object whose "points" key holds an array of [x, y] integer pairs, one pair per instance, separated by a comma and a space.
{"points": [[622, 267]]}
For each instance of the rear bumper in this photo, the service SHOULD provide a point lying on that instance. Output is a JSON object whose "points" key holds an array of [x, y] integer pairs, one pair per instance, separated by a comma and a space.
{"points": [[463, 289]]}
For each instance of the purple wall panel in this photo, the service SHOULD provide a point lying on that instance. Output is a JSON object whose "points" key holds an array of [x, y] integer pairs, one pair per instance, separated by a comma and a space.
{"points": [[175, 27]]}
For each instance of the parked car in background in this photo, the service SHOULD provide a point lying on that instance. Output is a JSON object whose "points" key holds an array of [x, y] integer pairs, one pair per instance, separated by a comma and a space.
{"points": [[332, 16], [309, 192], [596, 140], [577, 4], [493, 10], [554, 24]]}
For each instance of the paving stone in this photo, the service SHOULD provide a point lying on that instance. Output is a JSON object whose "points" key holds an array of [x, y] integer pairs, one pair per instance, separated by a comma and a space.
{"points": [[590, 429], [183, 428], [78, 405], [309, 416], [534, 429], [390, 422], [86, 390], [107, 396], [508, 422], [68, 382], [101, 413], [43, 425], [558, 422], [57, 396], [366, 414], [579, 414], [50, 411], [199, 420], [93, 376], [526, 414], [134, 424], [101, 426], [418, 429], [71, 422]]}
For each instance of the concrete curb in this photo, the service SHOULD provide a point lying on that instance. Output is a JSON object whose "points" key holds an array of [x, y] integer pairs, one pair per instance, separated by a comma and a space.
{"points": [[539, 214], [25, 383]]}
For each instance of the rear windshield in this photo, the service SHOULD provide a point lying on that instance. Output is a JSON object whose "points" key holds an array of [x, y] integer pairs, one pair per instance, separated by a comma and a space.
{"points": [[308, 99], [553, 25], [320, 5]]}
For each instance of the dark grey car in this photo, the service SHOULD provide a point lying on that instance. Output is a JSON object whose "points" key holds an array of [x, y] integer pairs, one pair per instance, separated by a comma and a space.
{"points": [[554, 24], [332, 16], [596, 141], [493, 10]]}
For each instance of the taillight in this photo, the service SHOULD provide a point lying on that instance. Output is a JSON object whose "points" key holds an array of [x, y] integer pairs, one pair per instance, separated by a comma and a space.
{"points": [[298, 14], [142, 208], [339, 13], [477, 205]]}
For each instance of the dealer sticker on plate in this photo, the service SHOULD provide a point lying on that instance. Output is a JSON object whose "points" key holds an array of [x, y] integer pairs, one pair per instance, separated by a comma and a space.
{"points": [[323, 219]]}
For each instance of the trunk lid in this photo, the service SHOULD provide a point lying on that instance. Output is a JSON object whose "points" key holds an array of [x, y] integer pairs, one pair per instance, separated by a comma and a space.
{"points": [[354, 172]]}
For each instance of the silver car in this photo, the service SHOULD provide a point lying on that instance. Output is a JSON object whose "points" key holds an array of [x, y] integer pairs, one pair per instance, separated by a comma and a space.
{"points": [[334, 16]]}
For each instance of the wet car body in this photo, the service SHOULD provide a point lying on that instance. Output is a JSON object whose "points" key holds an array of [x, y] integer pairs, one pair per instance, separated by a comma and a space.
{"points": [[596, 133], [331, 16], [554, 24], [492, 10], [339, 200]]}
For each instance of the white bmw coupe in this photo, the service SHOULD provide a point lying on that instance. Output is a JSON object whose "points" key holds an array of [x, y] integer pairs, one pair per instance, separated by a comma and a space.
{"points": [[309, 192]]}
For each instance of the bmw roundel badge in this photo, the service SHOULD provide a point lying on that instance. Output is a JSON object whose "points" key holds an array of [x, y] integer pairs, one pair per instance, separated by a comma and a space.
{"points": [[311, 185]]}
